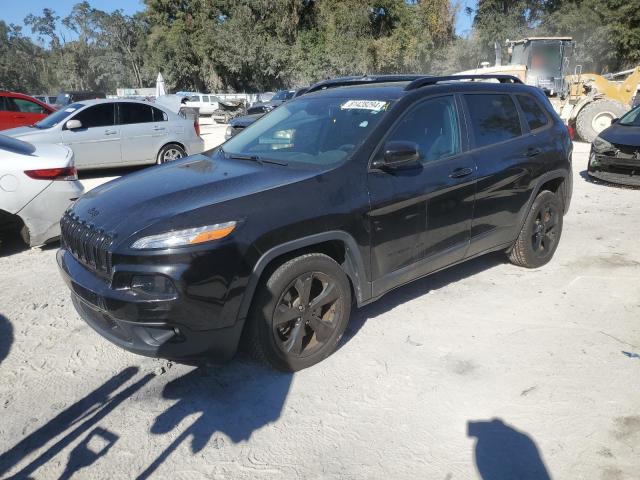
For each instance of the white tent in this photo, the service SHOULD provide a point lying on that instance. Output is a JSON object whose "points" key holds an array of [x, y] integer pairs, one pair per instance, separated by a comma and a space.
{"points": [[160, 90]]}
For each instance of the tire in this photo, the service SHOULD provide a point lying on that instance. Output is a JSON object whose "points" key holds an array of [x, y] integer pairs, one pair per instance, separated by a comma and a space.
{"points": [[170, 150], [276, 335], [540, 234], [596, 116]]}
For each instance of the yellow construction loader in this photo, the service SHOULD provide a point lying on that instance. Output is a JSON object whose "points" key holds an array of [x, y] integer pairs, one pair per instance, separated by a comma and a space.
{"points": [[587, 102]]}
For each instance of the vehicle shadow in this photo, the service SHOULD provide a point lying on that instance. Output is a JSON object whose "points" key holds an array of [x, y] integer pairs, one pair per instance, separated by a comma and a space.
{"points": [[235, 400], [504, 453], [596, 181], [419, 288], [13, 244], [6, 337], [72, 423]]}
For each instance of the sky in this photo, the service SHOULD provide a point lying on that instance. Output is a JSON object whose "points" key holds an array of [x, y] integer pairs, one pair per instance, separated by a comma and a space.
{"points": [[14, 11]]}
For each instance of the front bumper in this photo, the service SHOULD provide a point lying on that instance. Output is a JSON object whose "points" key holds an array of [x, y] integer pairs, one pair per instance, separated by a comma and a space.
{"points": [[614, 169], [150, 327]]}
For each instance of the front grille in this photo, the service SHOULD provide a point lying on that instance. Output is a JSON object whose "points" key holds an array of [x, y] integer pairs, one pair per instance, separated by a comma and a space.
{"points": [[88, 244]]}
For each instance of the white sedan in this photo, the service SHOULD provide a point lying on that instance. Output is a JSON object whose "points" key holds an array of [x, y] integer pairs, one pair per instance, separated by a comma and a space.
{"points": [[37, 184]]}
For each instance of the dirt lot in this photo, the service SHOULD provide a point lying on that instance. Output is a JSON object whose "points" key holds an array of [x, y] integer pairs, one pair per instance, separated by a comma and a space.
{"points": [[485, 370]]}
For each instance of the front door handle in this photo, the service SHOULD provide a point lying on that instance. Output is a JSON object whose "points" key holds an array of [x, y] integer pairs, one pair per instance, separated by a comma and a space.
{"points": [[110, 132], [461, 172], [158, 129], [533, 152]]}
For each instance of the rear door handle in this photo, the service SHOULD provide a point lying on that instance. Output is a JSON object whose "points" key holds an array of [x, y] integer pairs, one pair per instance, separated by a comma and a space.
{"points": [[158, 129], [533, 152], [461, 172], [110, 132]]}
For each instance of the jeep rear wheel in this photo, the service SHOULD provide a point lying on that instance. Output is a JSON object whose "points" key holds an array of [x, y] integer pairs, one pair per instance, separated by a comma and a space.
{"points": [[540, 234], [300, 313]]}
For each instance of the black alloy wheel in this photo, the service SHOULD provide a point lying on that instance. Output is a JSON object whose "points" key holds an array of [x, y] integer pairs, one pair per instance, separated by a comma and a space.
{"points": [[306, 315], [299, 313]]}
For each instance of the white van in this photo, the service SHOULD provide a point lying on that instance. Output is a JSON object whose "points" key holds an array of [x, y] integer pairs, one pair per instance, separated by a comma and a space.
{"points": [[206, 102]]}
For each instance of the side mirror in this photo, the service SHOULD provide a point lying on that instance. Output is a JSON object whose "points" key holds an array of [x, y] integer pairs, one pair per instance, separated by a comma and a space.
{"points": [[398, 154], [614, 120], [73, 124]]}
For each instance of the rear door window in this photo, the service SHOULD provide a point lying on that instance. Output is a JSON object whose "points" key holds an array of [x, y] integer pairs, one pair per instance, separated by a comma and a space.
{"points": [[533, 113], [135, 113], [494, 118], [102, 115]]}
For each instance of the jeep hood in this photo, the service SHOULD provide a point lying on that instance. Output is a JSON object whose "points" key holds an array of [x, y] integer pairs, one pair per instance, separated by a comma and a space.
{"points": [[129, 204]]}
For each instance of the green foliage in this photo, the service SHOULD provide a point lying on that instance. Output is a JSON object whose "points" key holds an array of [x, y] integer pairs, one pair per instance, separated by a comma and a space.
{"points": [[251, 45]]}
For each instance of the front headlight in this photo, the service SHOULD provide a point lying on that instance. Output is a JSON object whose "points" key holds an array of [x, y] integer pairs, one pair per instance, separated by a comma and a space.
{"points": [[600, 145], [189, 236], [228, 132]]}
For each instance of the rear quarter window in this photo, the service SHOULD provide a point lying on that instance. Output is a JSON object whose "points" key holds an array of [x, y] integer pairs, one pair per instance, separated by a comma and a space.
{"points": [[494, 118], [534, 114]]}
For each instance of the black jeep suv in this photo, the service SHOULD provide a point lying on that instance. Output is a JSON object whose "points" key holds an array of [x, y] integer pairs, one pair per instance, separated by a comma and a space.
{"points": [[335, 198]]}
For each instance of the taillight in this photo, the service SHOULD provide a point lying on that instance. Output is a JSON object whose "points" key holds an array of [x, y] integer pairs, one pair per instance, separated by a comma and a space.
{"points": [[572, 134], [196, 126], [66, 173]]}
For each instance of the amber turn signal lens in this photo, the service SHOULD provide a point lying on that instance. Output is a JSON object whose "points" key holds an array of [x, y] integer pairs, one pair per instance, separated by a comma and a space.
{"points": [[213, 234]]}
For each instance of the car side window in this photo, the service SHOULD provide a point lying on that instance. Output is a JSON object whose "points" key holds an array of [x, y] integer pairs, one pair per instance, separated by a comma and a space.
{"points": [[159, 115], [433, 126], [135, 113], [101, 115], [533, 112], [27, 106], [205, 98], [494, 118]]}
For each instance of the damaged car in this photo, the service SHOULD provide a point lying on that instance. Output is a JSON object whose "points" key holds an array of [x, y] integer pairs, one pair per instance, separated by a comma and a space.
{"points": [[38, 182]]}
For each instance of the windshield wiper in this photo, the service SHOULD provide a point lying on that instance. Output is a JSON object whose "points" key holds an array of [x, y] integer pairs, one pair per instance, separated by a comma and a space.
{"points": [[254, 158]]}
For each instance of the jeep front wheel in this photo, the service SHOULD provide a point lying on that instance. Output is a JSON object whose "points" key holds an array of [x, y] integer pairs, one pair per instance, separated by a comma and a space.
{"points": [[300, 313]]}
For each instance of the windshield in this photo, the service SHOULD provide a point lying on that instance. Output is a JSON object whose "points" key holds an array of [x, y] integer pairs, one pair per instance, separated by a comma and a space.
{"points": [[59, 116], [631, 118], [316, 131], [63, 99], [547, 58], [283, 95]]}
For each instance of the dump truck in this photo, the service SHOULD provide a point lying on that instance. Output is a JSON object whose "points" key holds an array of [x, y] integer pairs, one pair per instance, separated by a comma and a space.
{"points": [[587, 102]]}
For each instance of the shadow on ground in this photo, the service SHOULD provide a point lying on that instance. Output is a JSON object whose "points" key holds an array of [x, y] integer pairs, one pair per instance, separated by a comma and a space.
{"points": [[235, 400], [6, 337], [419, 288], [504, 453]]}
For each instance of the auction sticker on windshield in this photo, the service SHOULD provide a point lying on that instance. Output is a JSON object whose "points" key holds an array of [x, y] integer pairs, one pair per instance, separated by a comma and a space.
{"points": [[375, 105]]}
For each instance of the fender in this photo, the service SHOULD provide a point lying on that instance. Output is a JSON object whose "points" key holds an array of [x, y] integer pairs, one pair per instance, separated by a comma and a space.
{"points": [[353, 265], [552, 175]]}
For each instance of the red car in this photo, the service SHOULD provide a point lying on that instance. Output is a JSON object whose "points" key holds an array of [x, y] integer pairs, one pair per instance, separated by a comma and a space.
{"points": [[17, 110]]}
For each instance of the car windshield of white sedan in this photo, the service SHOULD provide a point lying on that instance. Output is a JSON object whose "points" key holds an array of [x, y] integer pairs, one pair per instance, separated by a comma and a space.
{"points": [[631, 119], [59, 116], [316, 131]]}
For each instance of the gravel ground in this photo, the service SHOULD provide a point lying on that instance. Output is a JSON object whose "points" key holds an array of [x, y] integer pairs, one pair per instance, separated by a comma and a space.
{"points": [[485, 370]]}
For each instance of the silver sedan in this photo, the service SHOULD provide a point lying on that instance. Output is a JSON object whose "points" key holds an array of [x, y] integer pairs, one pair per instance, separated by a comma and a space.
{"points": [[116, 133]]}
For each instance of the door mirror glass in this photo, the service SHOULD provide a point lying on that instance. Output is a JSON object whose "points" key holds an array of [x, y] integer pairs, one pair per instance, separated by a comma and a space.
{"points": [[399, 154], [73, 124]]}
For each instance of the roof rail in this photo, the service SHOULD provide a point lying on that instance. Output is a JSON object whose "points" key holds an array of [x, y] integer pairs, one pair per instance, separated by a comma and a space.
{"points": [[362, 80], [426, 81]]}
